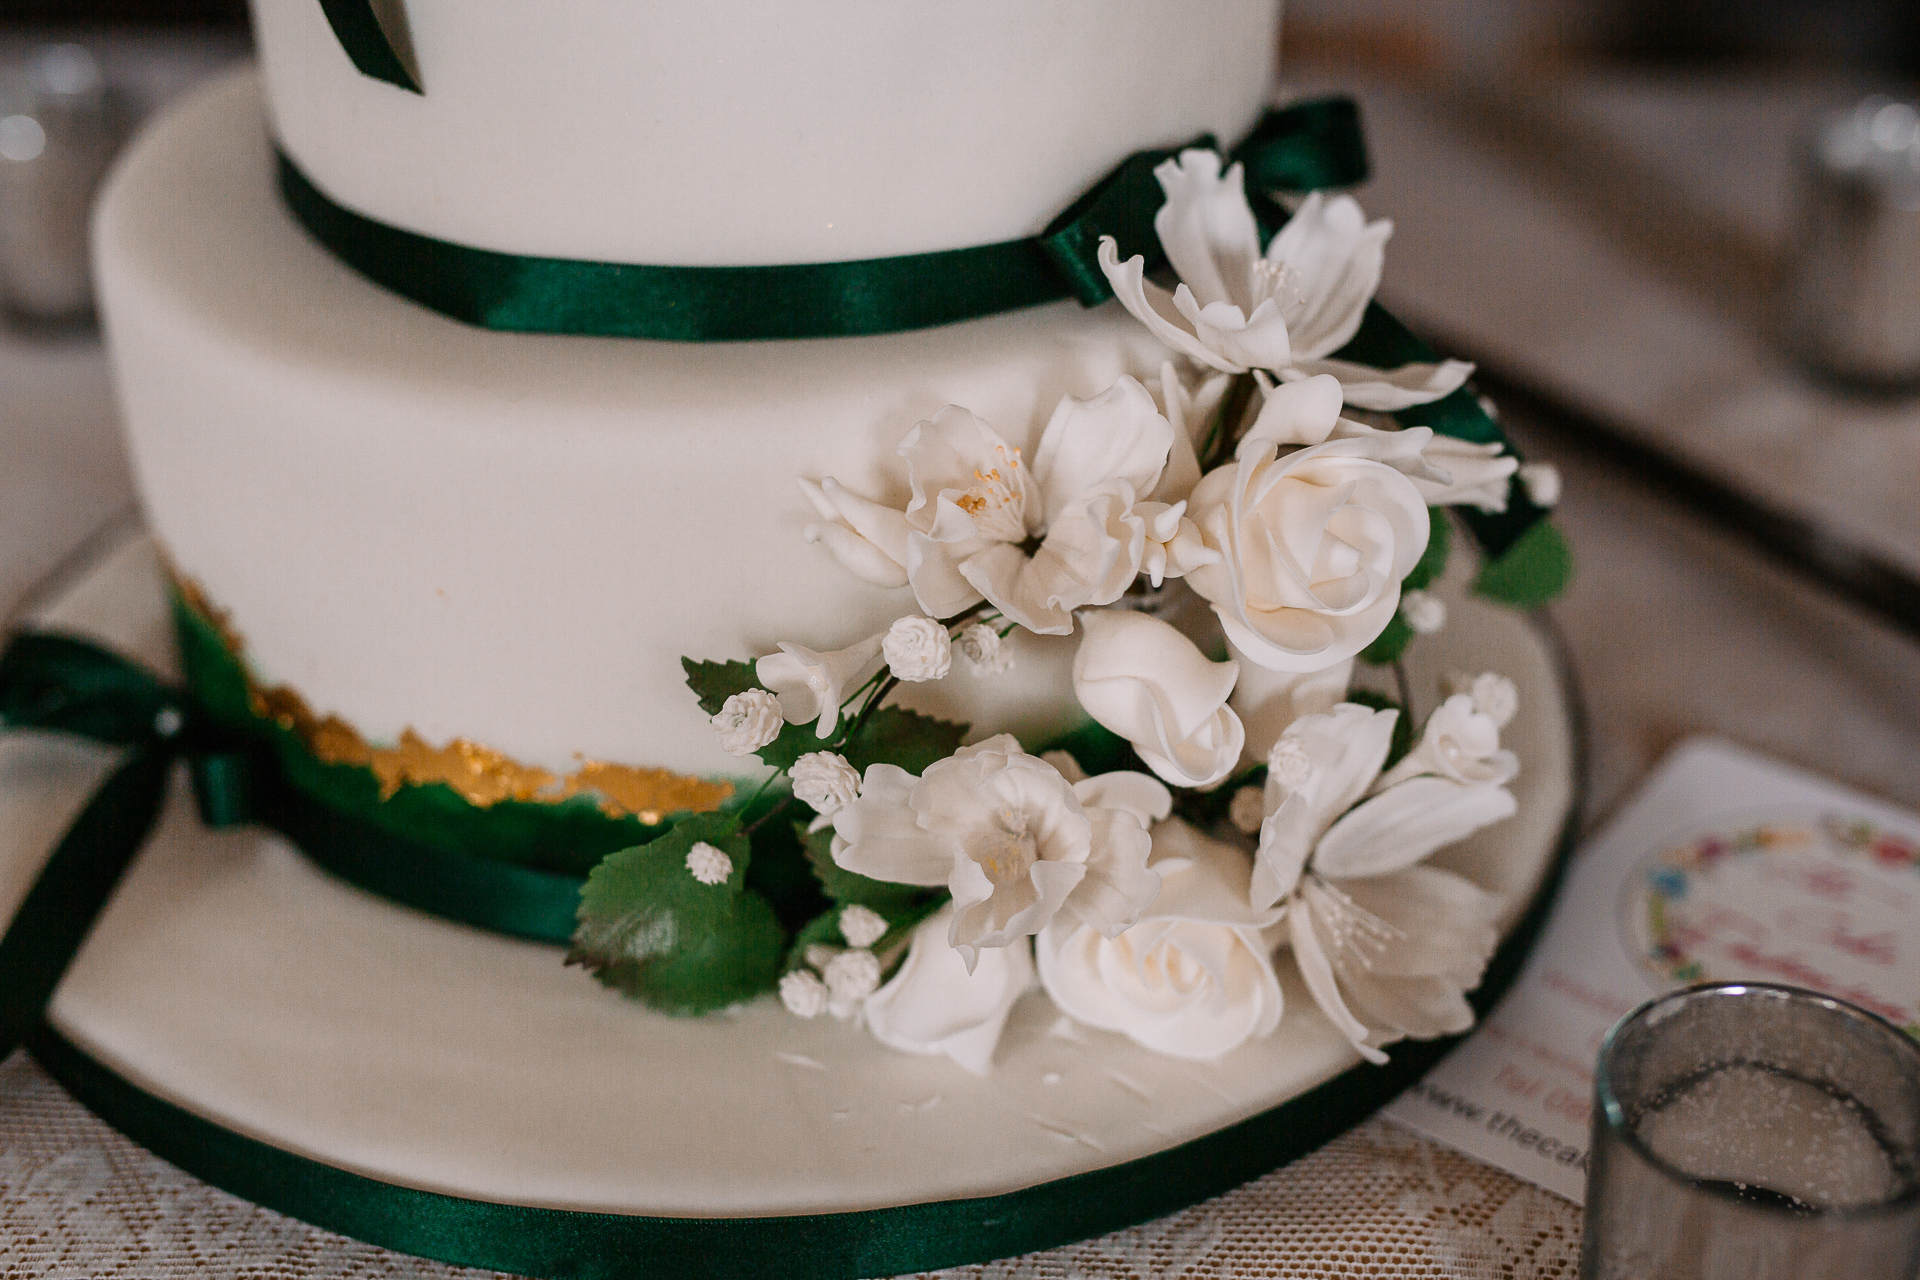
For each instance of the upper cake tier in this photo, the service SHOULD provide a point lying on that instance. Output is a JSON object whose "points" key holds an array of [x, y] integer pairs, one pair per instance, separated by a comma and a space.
{"points": [[746, 132]]}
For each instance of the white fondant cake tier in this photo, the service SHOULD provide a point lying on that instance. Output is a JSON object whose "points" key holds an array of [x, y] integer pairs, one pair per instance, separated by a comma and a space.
{"points": [[231, 978], [514, 538], [735, 132]]}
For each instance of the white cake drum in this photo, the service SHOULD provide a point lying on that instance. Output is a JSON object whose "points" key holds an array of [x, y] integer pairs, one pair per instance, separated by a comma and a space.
{"points": [[453, 1093], [741, 132]]}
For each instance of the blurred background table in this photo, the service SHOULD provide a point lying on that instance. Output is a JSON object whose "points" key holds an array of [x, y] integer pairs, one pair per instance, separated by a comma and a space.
{"points": [[1613, 236]]}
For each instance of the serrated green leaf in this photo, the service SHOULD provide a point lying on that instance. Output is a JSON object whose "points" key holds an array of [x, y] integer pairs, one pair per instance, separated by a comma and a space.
{"points": [[649, 929], [1531, 572], [897, 736], [846, 887], [1402, 741], [1389, 644], [714, 682], [1433, 561]]}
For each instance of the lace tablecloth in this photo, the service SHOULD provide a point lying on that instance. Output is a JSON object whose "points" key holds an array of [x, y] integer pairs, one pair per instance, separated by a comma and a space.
{"points": [[77, 1199]]}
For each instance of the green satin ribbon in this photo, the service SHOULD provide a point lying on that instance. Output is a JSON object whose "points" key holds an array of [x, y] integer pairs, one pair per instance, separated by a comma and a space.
{"points": [[365, 44], [876, 1242], [1318, 142], [61, 684]]}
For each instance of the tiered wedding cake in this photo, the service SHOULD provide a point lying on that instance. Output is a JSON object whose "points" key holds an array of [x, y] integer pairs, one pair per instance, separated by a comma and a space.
{"points": [[901, 523]]}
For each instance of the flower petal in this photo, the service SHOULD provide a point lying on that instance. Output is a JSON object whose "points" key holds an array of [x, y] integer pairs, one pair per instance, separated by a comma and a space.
{"points": [[934, 1005], [1321, 984], [1387, 389], [1333, 258], [1405, 823], [1207, 228], [1117, 435], [1154, 307], [879, 835]]}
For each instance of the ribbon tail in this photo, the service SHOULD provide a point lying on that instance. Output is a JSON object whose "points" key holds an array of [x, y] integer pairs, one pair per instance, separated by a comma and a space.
{"points": [[365, 44], [74, 886]]}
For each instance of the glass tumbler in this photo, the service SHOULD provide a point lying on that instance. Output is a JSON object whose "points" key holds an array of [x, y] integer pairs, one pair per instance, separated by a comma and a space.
{"points": [[1745, 1132]]}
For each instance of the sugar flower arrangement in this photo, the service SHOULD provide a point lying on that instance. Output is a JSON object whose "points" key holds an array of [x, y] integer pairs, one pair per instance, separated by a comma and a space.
{"points": [[1225, 546]]}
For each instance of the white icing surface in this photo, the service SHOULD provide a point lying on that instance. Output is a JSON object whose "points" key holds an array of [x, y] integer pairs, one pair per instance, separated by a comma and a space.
{"points": [[756, 131], [509, 537], [232, 978]]}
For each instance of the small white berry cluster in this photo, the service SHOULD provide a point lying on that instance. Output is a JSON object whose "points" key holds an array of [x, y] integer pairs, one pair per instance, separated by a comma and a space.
{"points": [[825, 781], [708, 864], [837, 980], [1494, 696]]}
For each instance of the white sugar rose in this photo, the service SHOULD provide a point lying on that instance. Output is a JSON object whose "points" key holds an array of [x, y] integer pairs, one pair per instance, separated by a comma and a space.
{"points": [[935, 1005], [1012, 839], [917, 649], [1314, 540], [810, 685], [824, 781], [1194, 978], [1287, 310], [1144, 680], [747, 722], [1038, 539]]}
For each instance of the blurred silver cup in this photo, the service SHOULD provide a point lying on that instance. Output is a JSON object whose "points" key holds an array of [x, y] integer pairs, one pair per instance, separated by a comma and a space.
{"points": [[1752, 1132], [59, 129], [1853, 274]]}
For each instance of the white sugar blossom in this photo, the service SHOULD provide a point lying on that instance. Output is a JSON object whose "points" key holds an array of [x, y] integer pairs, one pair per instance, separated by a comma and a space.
{"points": [[1144, 680], [810, 685], [862, 926], [1387, 947], [1010, 837], [851, 977], [1475, 475], [747, 722], [708, 864], [804, 994], [1247, 810], [985, 649], [1037, 539], [917, 649], [1194, 978], [1542, 480], [1317, 523], [824, 781], [1494, 696], [1425, 612], [1287, 310], [935, 1005], [1460, 743]]}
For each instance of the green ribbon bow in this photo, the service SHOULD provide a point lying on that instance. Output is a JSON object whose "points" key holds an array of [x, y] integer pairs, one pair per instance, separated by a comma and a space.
{"points": [[61, 684]]}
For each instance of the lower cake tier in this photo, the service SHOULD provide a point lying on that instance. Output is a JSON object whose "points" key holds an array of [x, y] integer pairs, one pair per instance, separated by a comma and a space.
{"points": [[270, 1003], [514, 539]]}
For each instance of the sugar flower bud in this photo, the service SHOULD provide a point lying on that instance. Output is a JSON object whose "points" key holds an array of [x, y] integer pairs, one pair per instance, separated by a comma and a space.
{"points": [[917, 648], [985, 649], [747, 722], [825, 781]]}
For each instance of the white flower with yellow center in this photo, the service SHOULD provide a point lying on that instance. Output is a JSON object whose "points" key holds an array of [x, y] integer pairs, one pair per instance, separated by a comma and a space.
{"points": [[1037, 538], [1013, 840]]}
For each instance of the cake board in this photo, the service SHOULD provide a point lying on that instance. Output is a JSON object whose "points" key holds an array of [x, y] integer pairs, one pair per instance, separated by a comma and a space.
{"points": [[459, 1095]]}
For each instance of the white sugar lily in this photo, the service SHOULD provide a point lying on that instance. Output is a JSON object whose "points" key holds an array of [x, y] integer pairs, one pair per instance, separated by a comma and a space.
{"points": [[1037, 539], [1287, 310], [811, 685], [1387, 947], [1144, 680], [1194, 978], [1012, 839], [936, 1004]]}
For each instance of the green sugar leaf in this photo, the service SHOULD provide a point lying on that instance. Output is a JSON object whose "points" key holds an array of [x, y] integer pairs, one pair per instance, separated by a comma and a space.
{"points": [[648, 927], [1433, 561], [1531, 572], [1389, 644], [714, 682], [896, 736]]}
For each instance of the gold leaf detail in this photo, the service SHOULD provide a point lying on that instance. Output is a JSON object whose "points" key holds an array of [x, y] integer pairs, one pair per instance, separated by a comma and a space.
{"points": [[480, 775]]}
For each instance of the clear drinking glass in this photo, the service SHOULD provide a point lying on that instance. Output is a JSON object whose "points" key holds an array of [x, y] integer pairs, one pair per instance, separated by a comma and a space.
{"points": [[1746, 1132]]}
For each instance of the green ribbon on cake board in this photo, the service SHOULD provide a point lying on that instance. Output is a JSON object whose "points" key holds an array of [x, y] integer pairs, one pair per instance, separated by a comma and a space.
{"points": [[578, 1245]]}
